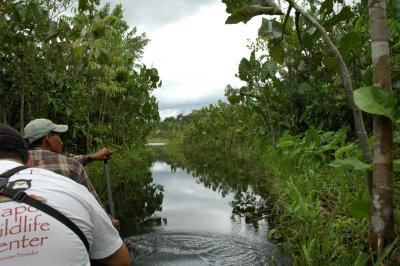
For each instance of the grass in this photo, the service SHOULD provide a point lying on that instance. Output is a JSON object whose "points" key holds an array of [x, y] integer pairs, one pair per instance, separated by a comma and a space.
{"points": [[314, 221]]}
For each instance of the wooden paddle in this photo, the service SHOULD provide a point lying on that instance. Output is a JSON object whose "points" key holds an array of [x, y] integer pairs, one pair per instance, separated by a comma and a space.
{"points": [[109, 191]]}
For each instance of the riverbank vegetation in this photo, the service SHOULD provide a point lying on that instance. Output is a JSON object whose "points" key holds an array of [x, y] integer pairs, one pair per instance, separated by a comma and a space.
{"points": [[298, 117]]}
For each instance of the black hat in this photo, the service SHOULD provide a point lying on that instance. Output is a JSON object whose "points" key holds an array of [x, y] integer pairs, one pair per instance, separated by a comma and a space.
{"points": [[12, 141]]}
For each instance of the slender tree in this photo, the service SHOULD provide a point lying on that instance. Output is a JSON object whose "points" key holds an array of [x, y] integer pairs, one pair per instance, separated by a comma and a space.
{"points": [[357, 115], [381, 229]]}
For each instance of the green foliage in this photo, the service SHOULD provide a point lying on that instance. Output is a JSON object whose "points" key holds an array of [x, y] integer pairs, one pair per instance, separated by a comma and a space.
{"points": [[350, 42], [377, 101], [322, 145], [305, 87], [82, 69], [244, 10], [344, 15], [396, 9], [353, 162], [317, 207]]}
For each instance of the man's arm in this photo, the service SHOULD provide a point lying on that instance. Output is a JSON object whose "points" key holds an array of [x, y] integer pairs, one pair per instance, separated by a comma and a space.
{"points": [[119, 258], [101, 155]]}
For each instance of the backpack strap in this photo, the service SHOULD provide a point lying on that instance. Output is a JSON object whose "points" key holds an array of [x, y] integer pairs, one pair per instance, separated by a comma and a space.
{"points": [[6, 175], [21, 196]]}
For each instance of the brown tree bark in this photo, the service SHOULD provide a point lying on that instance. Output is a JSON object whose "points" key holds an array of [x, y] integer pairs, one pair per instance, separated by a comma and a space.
{"points": [[381, 224]]}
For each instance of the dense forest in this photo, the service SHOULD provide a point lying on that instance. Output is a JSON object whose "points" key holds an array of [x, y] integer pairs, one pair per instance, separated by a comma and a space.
{"points": [[318, 113], [82, 69]]}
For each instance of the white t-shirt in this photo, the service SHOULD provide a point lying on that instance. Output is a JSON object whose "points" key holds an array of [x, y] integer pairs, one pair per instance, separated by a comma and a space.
{"points": [[31, 237]]}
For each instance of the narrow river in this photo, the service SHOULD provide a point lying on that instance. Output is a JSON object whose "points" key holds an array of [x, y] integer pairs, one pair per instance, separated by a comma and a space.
{"points": [[197, 227]]}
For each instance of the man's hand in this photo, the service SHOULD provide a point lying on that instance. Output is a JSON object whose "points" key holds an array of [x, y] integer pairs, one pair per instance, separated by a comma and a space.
{"points": [[101, 155], [116, 224]]}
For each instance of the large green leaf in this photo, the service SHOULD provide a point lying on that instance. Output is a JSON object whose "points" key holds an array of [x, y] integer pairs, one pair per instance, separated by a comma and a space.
{"points": [[245, 13], [245, 69], [269, 68], [344, 14], [310, 37], [276, 51], [353, 162], [285, 144], [351, 41], [360, 209], [376, 101], [285, 141], [270, 29]]}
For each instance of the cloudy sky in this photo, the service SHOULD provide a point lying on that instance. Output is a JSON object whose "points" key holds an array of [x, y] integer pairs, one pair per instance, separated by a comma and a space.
{"points": [[196, 54]]}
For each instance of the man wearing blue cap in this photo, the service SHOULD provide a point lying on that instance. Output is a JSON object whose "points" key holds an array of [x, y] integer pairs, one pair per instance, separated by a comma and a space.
{"points": [[46, 147]]}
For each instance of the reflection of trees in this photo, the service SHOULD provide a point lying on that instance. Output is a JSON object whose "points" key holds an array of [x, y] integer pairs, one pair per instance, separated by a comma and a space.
{"points": [[242, 176], [250, 206], [137, 198], [135, 195]]}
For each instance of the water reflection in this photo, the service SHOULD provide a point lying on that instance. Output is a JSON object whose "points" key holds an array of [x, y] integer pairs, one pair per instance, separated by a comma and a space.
{"points": [[189, 205], [214, 213]]}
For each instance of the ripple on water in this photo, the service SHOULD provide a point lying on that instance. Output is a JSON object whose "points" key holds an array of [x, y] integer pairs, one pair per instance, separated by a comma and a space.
{"points": [[180, 248]]}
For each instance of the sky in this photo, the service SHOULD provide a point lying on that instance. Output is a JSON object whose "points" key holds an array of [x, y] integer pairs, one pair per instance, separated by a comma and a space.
{"points": [[196, 54]]}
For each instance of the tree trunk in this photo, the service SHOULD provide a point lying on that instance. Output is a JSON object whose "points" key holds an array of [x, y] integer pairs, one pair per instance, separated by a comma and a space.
{"points": [[381, 227], [270, 122], [357, 115], [21, 111]]}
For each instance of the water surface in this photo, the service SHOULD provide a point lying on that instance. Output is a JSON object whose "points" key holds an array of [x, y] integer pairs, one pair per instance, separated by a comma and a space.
{"points": [[198, 227]]}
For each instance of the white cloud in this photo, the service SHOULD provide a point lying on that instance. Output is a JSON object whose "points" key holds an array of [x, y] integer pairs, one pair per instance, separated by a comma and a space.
{"points": [[152, 13], [197, 56]]}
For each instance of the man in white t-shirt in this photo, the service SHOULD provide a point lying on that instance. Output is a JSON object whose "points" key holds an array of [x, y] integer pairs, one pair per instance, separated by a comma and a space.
{"points": [[29, 236]]}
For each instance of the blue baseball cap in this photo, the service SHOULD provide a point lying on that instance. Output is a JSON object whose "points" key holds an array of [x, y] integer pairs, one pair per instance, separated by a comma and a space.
{"points": [[38, 128]]}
